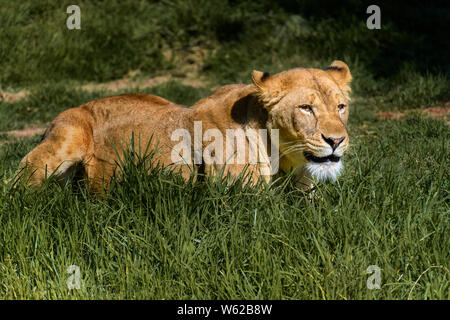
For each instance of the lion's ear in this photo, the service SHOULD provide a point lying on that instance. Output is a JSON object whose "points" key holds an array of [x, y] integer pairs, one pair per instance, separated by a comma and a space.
{"points": [[267, 88], [259, 79], [340, 72]]}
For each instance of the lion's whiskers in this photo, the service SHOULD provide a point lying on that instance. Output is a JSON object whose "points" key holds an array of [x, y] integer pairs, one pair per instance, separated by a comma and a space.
{"points": [[293, 149], [291, 143]]}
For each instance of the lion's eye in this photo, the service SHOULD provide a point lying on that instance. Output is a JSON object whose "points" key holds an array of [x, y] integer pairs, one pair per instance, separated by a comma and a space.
{"points": [[341, 107], [306, 107]]}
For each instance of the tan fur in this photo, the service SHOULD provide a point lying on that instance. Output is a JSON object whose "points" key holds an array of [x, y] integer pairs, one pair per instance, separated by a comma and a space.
{"points": [[85, 135]]}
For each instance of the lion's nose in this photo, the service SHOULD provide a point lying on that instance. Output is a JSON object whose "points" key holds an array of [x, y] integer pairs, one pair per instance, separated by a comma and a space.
{"points": [[333, 141]]}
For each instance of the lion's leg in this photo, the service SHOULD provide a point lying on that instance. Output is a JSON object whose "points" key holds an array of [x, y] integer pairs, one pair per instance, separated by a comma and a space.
{"points": [[302, 179], [304, 182], [65, 145], [99, 174]]}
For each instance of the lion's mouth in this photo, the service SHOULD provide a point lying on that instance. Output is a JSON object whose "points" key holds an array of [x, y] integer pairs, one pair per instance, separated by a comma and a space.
{"points": [[313, 158]]}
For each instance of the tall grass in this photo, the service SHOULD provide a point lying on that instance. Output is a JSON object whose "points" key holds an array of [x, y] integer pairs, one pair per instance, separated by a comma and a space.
{"points": [[156, 236]]}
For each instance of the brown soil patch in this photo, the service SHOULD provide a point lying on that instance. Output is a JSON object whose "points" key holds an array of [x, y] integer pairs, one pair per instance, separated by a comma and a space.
{"points": [[190, 79], [26, 133], [23, 133], [187, 65], [131, 84], [433, 112], [13, 96]]}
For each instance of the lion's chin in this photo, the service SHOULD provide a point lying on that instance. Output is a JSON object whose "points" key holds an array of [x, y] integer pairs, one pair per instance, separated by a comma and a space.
{"points": [[322, 171]]}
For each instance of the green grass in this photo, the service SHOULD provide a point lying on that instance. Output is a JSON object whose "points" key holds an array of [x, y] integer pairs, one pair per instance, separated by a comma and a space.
{"points": [[155, 236]]}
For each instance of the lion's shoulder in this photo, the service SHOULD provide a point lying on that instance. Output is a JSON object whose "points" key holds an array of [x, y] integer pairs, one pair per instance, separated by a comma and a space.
{"points": [[231, 106], [228, 92]]}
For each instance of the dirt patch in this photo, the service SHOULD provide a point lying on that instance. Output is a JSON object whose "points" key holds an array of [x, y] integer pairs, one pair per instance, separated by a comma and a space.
{"points": [[190, 79], [186, 68], [433, 112], [25, 133], [131, 84], [13, 96]]}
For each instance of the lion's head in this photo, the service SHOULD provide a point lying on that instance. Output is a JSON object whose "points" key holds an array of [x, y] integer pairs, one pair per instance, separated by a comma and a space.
{"points": [[309, 107]]}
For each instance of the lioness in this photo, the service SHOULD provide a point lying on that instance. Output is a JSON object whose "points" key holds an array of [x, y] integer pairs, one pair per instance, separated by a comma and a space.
{"points": [[307, 108]]}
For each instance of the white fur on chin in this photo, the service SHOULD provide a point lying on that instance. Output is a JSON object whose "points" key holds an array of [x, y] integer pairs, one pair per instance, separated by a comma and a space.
{"points": [[324, 171]]}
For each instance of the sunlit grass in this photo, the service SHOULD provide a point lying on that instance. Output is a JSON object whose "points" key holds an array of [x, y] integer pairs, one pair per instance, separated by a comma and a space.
{"points": [[156, 236]]}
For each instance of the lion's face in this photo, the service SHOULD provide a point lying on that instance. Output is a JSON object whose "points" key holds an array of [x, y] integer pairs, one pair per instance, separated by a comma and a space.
{"points": [[309, 107]]}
